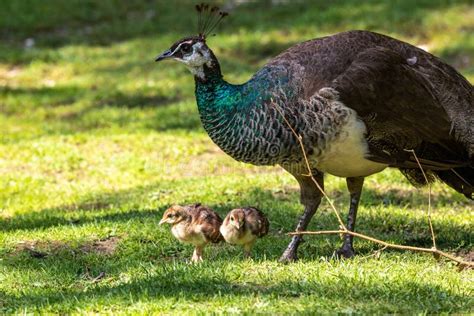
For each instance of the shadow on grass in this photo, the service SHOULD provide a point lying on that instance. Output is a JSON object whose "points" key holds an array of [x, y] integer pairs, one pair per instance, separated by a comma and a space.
{"points": [[65, 95], [39, 97], [139, 250], [169, 113], [106, 22], [105, 208], [389, 295], [120, 99], [387, 16], [57, 23]]}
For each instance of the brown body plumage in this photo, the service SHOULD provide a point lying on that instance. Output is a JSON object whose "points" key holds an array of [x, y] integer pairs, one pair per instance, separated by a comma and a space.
{"points": [[242, 226], [194, 224]]}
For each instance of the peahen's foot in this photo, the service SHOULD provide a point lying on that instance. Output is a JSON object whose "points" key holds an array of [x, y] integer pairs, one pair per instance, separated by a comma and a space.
{"points": [[289, 255], [346, 251]]}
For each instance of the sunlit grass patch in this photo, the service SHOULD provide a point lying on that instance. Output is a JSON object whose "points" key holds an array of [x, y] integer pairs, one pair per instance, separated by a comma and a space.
{"points": [[97, 141]]}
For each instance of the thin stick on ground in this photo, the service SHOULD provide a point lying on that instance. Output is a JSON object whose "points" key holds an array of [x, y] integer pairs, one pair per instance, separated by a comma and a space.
{"points": [[429, 196], [386, 244], [344, 230]]}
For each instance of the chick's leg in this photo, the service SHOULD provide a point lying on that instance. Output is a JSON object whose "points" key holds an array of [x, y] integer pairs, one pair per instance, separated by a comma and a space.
{"points": [[310, 198], [248, 249], [197, 254], [355, 189]]}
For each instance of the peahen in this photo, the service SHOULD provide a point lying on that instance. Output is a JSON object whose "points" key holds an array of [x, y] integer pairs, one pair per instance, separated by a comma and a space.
{"points": [[361, 101]]}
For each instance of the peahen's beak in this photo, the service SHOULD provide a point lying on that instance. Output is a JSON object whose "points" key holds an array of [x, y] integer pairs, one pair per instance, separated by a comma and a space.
{"points": [[164, 55]]}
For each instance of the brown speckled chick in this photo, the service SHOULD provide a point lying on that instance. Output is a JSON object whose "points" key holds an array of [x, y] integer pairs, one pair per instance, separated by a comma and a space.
{"points": [[242, 226], [194, 224]]}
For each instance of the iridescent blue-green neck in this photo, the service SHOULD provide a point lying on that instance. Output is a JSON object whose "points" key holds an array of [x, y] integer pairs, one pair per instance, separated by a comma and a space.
{"points": [[229, 114], [217, 101], [214, 93], [241, 120]]}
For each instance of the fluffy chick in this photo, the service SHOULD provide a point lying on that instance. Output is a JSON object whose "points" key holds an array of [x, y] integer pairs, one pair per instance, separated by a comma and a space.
{"points": [[242, 226], [194, 224]]}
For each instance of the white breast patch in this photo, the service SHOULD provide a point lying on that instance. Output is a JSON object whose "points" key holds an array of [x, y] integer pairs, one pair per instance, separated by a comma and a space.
{"points": [[345, 155], [185, 235]]}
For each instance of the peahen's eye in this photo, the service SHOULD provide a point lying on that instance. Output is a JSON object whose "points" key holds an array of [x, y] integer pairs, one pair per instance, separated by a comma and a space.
{"points": [[186, 48], [231, 219]]}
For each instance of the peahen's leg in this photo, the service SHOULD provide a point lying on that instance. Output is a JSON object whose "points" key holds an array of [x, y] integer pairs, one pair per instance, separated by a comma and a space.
{"points": [[310, 198], [355, 189]]}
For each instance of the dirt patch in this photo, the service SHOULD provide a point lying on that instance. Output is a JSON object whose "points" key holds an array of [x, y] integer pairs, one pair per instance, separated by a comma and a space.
{"points": [[105, 246], [467, 255], [87, 206], [39, 248]]}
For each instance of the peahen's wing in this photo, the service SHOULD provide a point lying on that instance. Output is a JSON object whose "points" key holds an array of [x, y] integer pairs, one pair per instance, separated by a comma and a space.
{"points": [[401, 110]]}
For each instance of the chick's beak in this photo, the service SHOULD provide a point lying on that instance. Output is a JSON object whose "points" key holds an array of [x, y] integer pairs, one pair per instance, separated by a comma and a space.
{"points": [[236, 224], [164, 55], [162, 221]]}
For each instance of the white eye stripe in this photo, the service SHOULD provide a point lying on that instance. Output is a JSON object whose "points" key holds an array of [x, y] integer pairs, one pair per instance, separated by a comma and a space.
{"points": [[175, 50], [179, 46]]}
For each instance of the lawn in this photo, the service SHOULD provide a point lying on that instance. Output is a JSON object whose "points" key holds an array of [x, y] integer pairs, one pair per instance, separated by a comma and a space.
{"points": [[97, 141]]}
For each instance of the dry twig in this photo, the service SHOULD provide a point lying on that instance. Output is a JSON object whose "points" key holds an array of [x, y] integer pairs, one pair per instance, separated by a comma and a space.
{"points": [[344, 230], [429, 195], [386, 244]]}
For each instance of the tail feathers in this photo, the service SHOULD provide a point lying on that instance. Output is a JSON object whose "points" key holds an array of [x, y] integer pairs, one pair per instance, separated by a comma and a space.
{"points": [[460, 179]]}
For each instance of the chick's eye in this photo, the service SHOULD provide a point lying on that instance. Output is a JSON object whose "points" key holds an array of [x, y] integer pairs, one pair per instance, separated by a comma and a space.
{"points": [[186, 48], [170, 215], [231, 219]]}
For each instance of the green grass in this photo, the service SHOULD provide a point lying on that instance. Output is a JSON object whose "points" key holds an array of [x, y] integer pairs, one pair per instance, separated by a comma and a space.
{"points": [[97, 141]]}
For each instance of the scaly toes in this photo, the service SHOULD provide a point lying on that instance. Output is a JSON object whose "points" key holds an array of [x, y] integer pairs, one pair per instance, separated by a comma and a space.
{"points": [[288, 256], [345, 252]]}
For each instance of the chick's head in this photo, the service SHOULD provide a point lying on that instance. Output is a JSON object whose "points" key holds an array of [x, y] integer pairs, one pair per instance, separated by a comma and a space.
{"points": [[174, 215], [237, 218]]}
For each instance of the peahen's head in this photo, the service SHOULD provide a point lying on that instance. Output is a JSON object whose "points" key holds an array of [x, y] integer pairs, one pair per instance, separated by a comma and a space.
{"points": [[193, 51]]}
